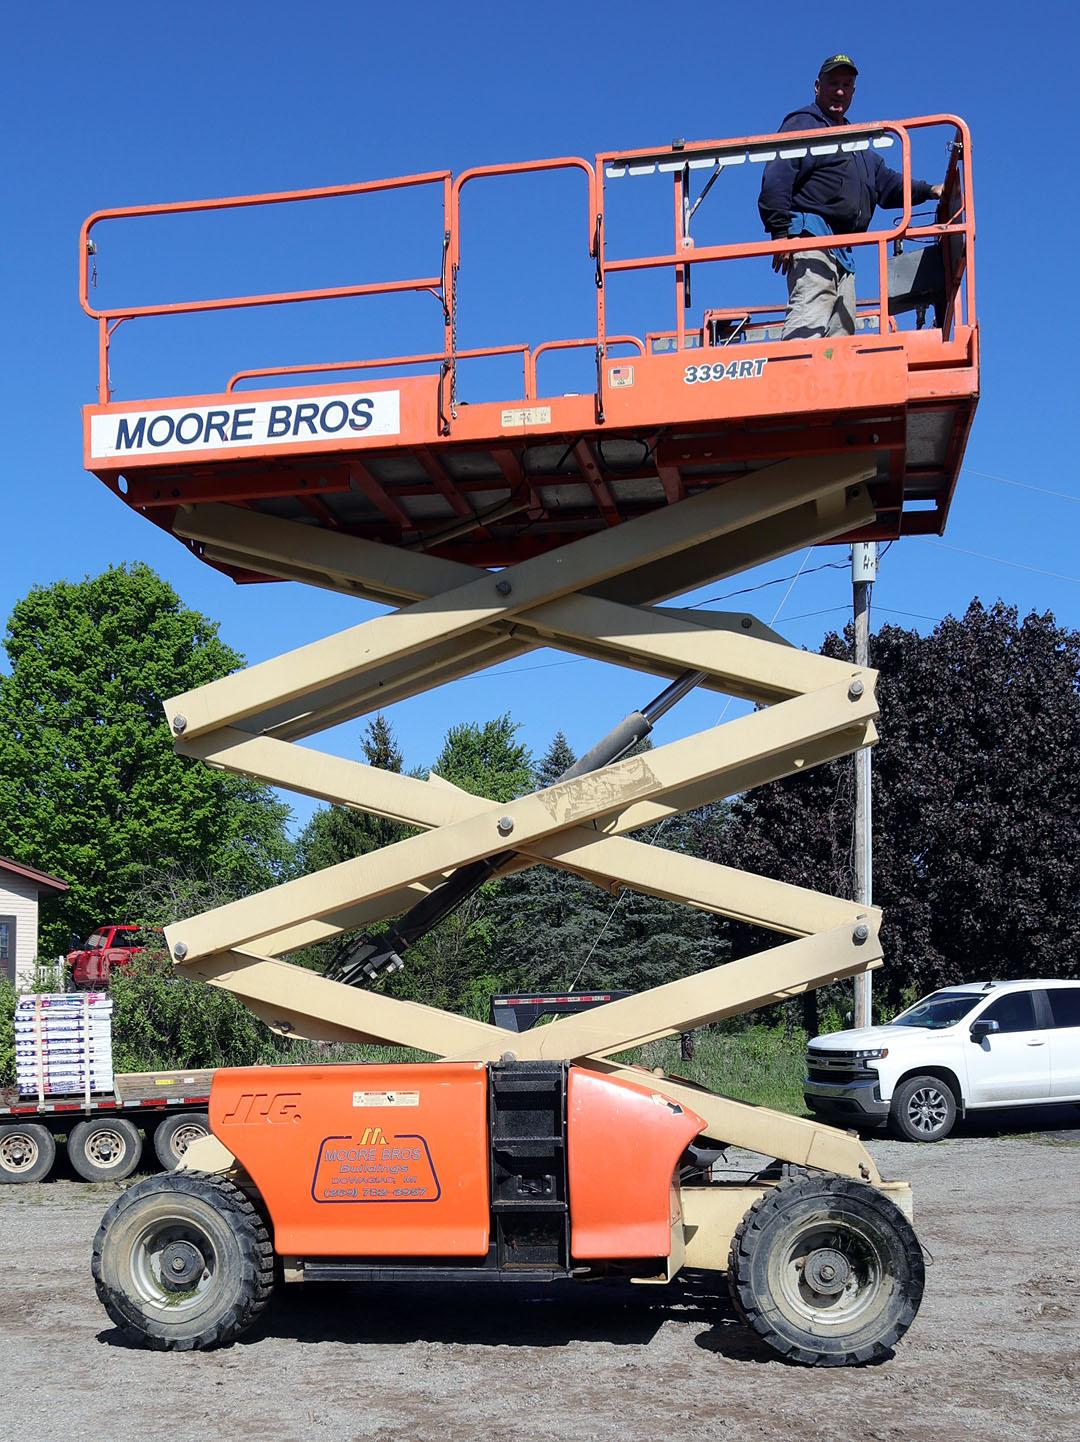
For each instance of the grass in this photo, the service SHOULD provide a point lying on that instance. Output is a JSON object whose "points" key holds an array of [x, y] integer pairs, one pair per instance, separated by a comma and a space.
{"points": [[762, 1066]]}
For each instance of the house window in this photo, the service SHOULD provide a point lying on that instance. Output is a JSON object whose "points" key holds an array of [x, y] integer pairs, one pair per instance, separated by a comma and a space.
{"points": [[7, 947]]}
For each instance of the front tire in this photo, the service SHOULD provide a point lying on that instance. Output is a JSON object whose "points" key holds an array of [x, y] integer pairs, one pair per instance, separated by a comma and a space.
{"points": [[182, 1262], [827, 1271], [923, 1109], [27, 1153], [104, 1149]]}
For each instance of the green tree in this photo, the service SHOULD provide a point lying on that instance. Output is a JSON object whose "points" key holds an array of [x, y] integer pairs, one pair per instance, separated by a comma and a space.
{"points": [[457, 965], [90, 787], [555, 930], [338, 833], [976, 803], [486, 760], [559, 757]]}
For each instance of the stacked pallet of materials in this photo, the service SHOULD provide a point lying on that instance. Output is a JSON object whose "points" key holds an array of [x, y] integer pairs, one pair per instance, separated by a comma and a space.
{"points": [[63, 1044]]}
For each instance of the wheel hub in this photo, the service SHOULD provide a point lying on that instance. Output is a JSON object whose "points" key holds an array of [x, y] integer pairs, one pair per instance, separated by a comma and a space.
{"points": [[827, 1271], [18, 1153], [182, 1264]]}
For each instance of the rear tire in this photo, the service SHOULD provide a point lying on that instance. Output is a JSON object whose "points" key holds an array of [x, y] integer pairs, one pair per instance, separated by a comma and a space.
{"points": [[174, 1135], [27, 1153], [923, 1109], [183, 1262], [826, 1270], [104, 1149]]}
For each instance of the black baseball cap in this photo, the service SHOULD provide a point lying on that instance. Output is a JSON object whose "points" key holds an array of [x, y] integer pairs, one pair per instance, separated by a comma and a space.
{"points": [[834, 62]]}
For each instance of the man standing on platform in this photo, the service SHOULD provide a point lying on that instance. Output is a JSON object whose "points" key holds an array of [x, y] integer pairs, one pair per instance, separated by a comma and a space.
{"points": [[827, 195]]}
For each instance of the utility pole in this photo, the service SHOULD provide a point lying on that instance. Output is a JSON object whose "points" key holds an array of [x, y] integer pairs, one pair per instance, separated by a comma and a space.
{"points": [[864, 563]]}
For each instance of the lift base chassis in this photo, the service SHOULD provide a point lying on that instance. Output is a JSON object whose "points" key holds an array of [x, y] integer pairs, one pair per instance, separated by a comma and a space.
{"points": [[514, 1170]]}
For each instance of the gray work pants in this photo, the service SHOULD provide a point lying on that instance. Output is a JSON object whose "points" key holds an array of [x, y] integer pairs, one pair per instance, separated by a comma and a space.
{"points": [[821, 297]]}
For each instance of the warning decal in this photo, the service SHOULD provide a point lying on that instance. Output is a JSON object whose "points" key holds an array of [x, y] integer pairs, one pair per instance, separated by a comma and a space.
{"points": [[373, 1167]]}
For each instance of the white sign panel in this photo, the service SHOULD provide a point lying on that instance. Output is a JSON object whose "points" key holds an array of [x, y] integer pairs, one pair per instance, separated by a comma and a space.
{"points": [[346, 416]]}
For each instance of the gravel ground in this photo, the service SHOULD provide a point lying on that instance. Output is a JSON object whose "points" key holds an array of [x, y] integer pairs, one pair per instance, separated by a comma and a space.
{"points": [[994, 1352]]}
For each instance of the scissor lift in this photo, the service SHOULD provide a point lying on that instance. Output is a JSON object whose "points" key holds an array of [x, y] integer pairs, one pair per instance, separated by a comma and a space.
{"points": [[494, 528]]}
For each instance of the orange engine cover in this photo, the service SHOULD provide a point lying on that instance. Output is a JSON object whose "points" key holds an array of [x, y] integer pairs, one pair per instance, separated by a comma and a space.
{"points": [[622, 1147], [363, 1161]]}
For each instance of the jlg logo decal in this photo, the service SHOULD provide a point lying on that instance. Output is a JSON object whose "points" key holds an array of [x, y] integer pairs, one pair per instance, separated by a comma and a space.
{"points": [[261, 1107]]}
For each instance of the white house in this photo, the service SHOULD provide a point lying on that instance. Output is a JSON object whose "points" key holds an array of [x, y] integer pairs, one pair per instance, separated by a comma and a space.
{"points": [[20, 888]]}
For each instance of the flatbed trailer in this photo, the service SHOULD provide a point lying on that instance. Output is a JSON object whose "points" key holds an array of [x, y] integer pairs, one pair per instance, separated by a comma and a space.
{"points": [[104, 1130]]}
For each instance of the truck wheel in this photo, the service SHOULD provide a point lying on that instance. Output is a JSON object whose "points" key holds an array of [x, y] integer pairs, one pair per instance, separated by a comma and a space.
{"points": [[826, 1270], [27, 1152], [923, 1109], [104, 1149], [174, 1135], [183, 1262]]}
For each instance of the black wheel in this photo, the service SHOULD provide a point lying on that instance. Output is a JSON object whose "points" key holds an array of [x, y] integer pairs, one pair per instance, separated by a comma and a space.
{"points": [[183, 1261], [175, 1134], [923, 1109], [104, 1149], [27, 1152], [826, 1270]]}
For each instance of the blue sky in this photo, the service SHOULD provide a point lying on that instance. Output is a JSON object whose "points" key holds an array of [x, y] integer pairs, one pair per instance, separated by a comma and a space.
{"points": [[128, 103]]}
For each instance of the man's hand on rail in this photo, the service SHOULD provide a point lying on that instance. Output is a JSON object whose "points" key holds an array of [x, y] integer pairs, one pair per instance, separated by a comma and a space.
{"points": [[782, 263]]}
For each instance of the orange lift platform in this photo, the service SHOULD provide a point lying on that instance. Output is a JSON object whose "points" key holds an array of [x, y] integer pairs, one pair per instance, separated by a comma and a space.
{"points": [[674, 412]]}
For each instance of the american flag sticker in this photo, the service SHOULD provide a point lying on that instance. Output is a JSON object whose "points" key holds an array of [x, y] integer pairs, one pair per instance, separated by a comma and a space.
{"points": [[621, 376]]}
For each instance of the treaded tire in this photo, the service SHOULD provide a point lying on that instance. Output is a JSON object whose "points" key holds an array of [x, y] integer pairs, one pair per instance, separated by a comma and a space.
{"points": [[104, 1149], [27, 1153], [198, 1216], [923, 1109], [804, 1225], [174, 1135]]}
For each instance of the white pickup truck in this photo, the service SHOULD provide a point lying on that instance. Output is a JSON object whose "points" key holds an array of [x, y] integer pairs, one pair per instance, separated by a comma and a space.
{"points": [[983, 1044]]}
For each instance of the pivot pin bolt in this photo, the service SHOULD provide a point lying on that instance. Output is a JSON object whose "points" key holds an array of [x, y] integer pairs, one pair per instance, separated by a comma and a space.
{"points": [[180, 950], [856, 689], [503, 587], [860, 933], [179, 724], [504, 825]]}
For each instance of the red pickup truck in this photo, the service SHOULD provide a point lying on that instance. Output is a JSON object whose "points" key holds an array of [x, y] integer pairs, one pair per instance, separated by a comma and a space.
{"points": [[90, 965]]}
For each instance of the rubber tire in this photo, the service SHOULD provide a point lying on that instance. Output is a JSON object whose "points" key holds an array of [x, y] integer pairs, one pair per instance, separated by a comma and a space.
{"points": [[824, 1199], [899, 1123], [80, 1138], [243, 1254], [39, 1139], [166, 1131]]}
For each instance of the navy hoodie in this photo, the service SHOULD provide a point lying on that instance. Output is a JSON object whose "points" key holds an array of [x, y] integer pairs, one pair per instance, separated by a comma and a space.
{"points": [[843, 189]]}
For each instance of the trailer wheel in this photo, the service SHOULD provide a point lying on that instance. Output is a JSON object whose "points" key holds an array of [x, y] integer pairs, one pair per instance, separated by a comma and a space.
{"points": [[183, 1262], [174, 1135], [27, 1152], [104, 1149], [826, 1270]]}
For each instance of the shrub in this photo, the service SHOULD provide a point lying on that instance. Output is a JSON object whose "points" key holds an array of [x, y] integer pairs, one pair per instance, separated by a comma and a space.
{"points": [[163, 1021], [7, 1033]]}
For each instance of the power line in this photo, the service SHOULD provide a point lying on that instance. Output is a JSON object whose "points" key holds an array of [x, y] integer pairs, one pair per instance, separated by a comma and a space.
{"points": [[1001, 560], [1022, 485], [778, 581]]}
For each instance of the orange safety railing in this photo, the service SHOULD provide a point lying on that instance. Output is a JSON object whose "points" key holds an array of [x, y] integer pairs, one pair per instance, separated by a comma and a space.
{"points": [[954, 230]]}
